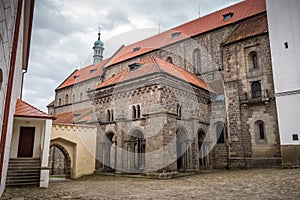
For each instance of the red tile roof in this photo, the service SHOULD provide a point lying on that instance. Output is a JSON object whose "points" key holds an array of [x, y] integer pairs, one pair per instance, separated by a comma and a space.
{"points": [[23, 109], [83, 74], [152, 65], [249, 28], [78, 116], [206, 23]]}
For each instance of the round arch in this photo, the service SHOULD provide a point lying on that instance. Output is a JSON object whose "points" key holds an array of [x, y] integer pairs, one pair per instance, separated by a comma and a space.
{"points": [[67, 159], [182, 149]]}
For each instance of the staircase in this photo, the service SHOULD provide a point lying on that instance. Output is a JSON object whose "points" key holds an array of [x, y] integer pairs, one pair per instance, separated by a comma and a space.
{"points": [[23, 172]]}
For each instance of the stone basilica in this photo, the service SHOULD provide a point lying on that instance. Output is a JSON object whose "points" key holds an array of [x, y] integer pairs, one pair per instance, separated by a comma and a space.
{"points": [[197, 96]]}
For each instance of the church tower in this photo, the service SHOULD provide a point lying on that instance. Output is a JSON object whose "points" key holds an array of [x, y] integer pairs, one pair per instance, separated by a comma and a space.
{"points": [[98, 50]]}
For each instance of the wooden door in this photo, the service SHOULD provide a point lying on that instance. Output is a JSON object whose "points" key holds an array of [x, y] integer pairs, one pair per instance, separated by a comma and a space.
{"points": [[26, 142]]}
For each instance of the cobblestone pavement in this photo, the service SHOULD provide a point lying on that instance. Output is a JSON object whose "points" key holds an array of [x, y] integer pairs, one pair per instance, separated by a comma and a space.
{"points": [[237, 184]]}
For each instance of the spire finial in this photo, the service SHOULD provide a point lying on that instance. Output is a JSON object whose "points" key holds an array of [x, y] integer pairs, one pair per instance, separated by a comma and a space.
{"points": [[99, 32]]}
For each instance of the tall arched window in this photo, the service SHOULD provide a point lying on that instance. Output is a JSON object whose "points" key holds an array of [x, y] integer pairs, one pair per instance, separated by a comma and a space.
{"points": [[220, 133], [197, 60], [259, 130], [138, 114], [169, 60], [178, 111], [133, 112], [256, 89], [108, 116], [66, 99], [112, 115]]}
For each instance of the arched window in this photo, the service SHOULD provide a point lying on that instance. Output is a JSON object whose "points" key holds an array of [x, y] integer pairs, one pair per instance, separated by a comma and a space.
{"points": [[169, 60], [66, 99], [112, 115], [81, 96], [259, 130], [178, 111], [256, 89], [133, 112], [73, 98], [197, 60], [59, 102], [254, 60], [108, 116], [138, 110], [220, 133]]}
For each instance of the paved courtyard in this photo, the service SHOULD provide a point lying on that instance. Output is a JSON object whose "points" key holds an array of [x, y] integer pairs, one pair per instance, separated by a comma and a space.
{"points": [[237, 184]]}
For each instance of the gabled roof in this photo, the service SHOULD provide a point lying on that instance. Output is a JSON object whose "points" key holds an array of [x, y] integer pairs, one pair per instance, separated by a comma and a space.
{"points": [[77, 116], [152, 65], [23, 109], [83, 74], [255, 26], [204, 24]]}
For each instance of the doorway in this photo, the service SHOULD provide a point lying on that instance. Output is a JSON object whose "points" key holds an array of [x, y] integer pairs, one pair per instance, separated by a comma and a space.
{"points": [[26, 142]]}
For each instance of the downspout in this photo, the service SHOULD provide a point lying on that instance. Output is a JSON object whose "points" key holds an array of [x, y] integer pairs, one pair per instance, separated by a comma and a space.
{"points": [[10, 86], [23, 73]]}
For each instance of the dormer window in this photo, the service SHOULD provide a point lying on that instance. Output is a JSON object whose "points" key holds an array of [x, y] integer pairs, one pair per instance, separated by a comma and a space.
{"points": [[136, 49], [76, 77], [92, 71], [76, 114], [176, 35], [134, 66], [227, 16]]}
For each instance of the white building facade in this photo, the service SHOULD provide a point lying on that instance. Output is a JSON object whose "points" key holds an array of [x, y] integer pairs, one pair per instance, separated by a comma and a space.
{"points": [[284, 31]]}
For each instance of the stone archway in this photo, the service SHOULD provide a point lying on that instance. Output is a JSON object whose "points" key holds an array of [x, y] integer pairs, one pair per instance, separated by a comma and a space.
{"points": [[203, 146], [110, 153], [59, 161], [136, 151], [182, 150]]}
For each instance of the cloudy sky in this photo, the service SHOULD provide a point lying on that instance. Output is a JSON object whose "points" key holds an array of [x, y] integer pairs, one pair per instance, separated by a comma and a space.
{"points": [[65, 30]]}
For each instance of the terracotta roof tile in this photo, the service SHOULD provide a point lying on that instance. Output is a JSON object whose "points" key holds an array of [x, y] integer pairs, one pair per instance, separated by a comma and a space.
{"points": [[23, 109], [206, 23], [249, 28], [152, 65], [78, 116], [83, 74]]}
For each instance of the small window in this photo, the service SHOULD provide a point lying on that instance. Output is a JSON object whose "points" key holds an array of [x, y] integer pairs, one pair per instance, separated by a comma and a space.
{"points": [[76, 77], [66, 99], [286, 45], [220, 133], [112, 115], [59, 102], [81, 96], [253, 60], [178, 111], [261, 131], [169, 60], [136, 49], [176, 35], [295, 137], [134, 66], [73, 98], [92, 71], [133, 112], [138, 110], [256, 89], [107, 115], [227, 16]]}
